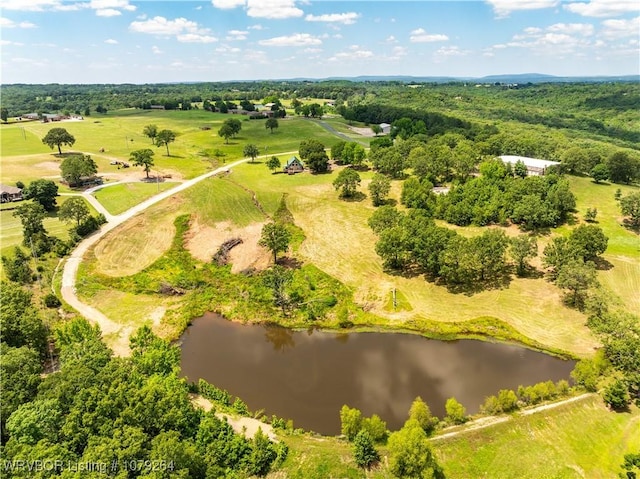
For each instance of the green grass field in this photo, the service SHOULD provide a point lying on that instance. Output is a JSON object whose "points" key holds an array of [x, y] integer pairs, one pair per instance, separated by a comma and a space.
{"points": [[119, 198]]}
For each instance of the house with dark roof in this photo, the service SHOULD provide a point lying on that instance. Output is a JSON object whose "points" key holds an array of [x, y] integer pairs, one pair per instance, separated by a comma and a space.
{"points": [[294, 165]]}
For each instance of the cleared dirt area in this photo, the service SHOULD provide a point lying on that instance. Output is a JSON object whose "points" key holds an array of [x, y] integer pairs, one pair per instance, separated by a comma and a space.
{"points": [[138, 243], [203, 242], [368, 132]]}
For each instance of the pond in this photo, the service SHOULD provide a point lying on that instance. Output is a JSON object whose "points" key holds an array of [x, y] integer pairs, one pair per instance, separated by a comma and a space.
{"points": [[308, 376]]}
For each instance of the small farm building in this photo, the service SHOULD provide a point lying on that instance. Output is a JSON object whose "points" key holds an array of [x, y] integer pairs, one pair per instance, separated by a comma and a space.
{"points": [[10, 193], [386, 128]]}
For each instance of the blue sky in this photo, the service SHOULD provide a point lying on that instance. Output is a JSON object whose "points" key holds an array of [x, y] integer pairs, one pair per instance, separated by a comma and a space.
{"points": [[127, 41]]}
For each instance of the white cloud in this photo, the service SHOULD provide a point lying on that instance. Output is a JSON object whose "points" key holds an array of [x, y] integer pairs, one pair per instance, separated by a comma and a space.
{"points": [[555, 40], [503, 8], [274, 9], [391, 39], [344, 18], [355, 52], [6, 23], [105, 4], [111, 41], [237, 35], [227, 4], [421, 36], [450, 51], [108, 12], [583, 29], [295, 40], [227, 49], [9, 42], [602, 8], [621, 28], [256, 27], [156, 50], [162, 26], [196, 38], [30, 5]]}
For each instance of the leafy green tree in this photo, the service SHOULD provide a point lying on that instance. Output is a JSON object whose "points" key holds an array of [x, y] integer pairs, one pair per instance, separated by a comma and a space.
{"points": [[420, 412], [150, 131], [33, 421], [251, 151], [318, 162], [376, 129], [622, 168], [353, 154], [599, 173], [234, 124], [410, 454], [458, 262], [586, 374], [379, 188], [364, 452], [590, 215], [347, 181], [153, 355], [350, 422], [577, 277], [74, 209], [310, 146], [275, 237], [616, 395], [263, 454], [558, 252], [58, 137], [19, 320], [490, 249], [164, 137], [273, 163], [630, 206], [430, 245], [383, 218], [4, 115], [521, 248], [375, 427], [588, 241], [388, 161], [336, 151], [143, 158], [456, 413], [271, 124], [17, 269], [20, 369], [418, 194], [42, 191], [226, 132], [507, 400], [520, 169], [31, 216], [278, 279], [74, 167], [392, 247]]}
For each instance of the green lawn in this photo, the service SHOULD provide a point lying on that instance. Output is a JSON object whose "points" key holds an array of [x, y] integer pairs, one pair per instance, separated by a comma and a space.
{"points": [[119, 198], [571, 441]]}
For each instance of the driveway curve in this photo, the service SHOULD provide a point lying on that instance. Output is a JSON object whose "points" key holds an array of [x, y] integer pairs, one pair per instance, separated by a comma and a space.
{"points": [[117, 332]]}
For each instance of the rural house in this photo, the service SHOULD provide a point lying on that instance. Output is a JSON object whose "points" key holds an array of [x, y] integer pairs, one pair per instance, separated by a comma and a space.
{"points": [[386, 128], [294, 165], [10, 193], [535, 166]]}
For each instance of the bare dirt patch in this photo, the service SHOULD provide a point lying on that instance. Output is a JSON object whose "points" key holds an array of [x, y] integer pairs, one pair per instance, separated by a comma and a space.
{"points": [[368, 132], [203, 241]]}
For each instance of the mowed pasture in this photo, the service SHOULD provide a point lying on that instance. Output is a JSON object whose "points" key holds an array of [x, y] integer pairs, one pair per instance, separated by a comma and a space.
{"points": [[120, 197], [339, 241]]}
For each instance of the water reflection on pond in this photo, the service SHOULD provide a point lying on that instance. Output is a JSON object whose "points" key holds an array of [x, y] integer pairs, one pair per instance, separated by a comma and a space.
{"points": [[308, 376]]}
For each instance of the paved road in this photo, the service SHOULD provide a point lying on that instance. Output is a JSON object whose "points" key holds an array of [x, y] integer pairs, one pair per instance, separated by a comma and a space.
{"points": [[117, 332]]}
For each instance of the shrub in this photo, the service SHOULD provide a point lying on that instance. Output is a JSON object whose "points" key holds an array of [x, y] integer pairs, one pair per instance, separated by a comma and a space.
{"points": [[52, 301]]}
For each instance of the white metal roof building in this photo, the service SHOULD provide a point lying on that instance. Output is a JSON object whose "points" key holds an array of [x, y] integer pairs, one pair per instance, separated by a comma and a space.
{"points": [[535, 166]]}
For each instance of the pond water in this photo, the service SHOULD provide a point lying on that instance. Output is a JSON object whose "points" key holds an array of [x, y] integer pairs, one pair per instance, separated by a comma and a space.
{"points": [[308, 376]]}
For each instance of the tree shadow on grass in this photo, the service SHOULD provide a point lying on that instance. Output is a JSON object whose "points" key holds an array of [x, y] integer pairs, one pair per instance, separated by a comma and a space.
{"points": [[602, 264], [628, 224], [289, 262], [501, 281], [357, 197]]}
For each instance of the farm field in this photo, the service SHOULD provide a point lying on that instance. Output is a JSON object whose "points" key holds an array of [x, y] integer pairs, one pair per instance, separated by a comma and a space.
{"points": [[119, 198]]}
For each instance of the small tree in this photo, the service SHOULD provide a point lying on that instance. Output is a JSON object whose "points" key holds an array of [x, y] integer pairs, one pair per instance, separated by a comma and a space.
{"points": [[616, 395], [348, 180], [521, 248], [271, 124], [275, 237], [251, 151], [507, 400], [74, 209], [76, 166], [350, 422], [456, 413], [410, 454], [150, 131], [42, 191], [17, 268], [31, 216], [142, 158], [58, 137], [600, 172], [226, 132], [379, 189], [4, 115], [273, 163], [520, 169], [164, 137], [376, 129], [363, 451], [421, 413], [278, 278], [590, 215], [630, 206], [577, 277], [318, 162]]}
